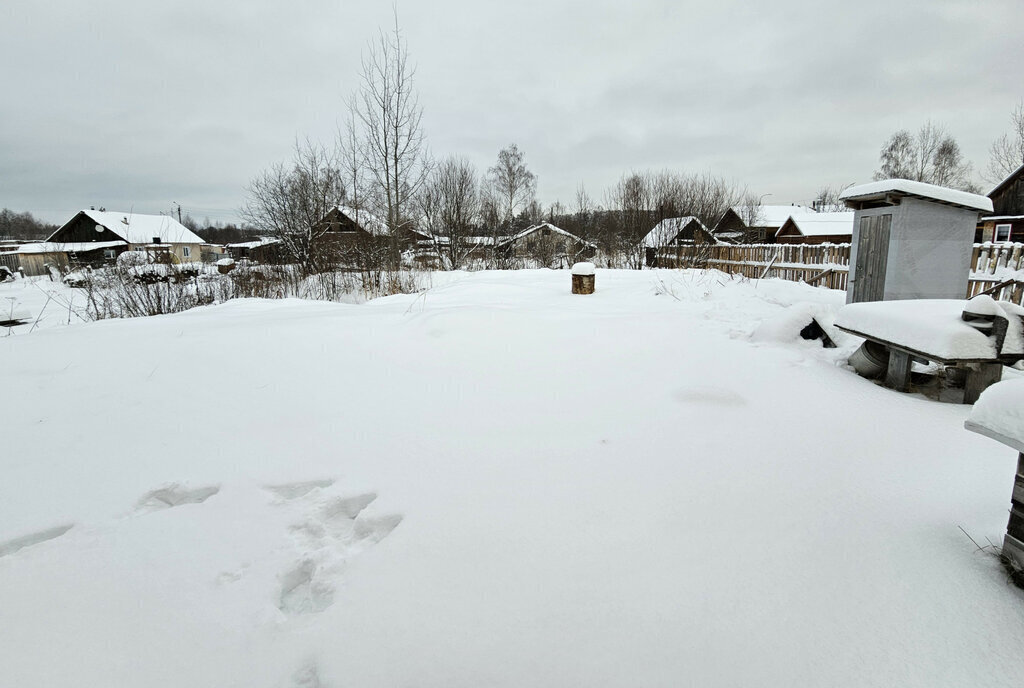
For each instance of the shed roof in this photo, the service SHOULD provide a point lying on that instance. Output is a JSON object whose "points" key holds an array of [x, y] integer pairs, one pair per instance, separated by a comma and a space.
{"points": [[823, 224], [140, 229], [905, 187]]}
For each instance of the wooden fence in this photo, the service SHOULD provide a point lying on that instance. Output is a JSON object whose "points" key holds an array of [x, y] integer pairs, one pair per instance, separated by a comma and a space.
{"points": [[828, 265]]}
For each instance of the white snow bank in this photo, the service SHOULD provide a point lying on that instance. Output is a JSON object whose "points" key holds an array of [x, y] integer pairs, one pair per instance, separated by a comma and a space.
{"points": [[930, 326], [905, 186], [445, 489], [785, 328], [999, 413], [225, 262], [583, 269]]}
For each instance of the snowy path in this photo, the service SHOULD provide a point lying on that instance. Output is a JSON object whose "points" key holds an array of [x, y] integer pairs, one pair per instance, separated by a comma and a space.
{"points": [[495, 483]]}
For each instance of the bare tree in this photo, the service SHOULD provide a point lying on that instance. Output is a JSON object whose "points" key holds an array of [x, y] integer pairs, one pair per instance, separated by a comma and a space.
{"points": [[289, 201], [1007, 152], [513, 184], [932, 156], [827, 199], [393, 143], [449, 206]]}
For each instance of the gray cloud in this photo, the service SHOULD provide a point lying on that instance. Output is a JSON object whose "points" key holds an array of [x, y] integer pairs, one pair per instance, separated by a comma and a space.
{"points": [[129, 105]]}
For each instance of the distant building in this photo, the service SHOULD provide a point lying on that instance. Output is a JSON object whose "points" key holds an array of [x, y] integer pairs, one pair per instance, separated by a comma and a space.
{"points": [[756, 224], [546, 245], [674, 232], [161, 235]]}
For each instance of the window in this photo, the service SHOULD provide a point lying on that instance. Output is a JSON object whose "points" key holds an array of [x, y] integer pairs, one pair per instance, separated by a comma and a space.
{"points": [[186, 251], [1002, 233], [109, 253]]}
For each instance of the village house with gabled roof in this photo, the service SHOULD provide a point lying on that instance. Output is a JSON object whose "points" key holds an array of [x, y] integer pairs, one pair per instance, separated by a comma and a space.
{"points": [[159, 234], [674, 232], [756, 224], [546, 245]]}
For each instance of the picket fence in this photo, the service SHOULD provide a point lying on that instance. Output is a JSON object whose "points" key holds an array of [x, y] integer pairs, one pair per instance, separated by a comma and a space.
{"points": [[828, 265]]}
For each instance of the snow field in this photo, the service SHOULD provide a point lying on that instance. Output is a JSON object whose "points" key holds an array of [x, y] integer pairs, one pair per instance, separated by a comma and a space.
{"points": [[493, 483]]}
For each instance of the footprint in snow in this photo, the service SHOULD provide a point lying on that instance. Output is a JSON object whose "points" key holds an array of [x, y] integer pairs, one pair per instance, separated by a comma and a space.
{"points": [[173, 495], [330, 532], [17, 544]]}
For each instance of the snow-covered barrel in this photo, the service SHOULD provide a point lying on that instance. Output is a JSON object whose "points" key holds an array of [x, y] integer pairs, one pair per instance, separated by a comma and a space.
{"points": [[583, 278]]}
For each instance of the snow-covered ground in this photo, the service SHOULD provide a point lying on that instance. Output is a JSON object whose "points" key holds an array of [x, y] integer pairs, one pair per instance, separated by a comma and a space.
{"points": [[41, 303], [492, 483]]}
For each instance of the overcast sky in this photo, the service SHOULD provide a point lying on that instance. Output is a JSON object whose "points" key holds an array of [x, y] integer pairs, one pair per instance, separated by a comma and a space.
{"points": [[136, 105]]}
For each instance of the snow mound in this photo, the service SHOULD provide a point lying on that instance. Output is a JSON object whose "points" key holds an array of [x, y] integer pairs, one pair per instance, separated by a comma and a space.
{"points": [[999, 413], [786, 327]]}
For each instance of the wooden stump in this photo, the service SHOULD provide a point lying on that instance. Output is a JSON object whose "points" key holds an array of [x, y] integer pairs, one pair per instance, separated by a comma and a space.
{"points": [[583, 284]]}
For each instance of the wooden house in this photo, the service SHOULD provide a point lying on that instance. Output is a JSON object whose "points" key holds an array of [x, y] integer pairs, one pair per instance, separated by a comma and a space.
{"points": [[349, 226], [757, 224], [545, 245], [674, 232], [1006, 223], [160, 235], [816, 228]]}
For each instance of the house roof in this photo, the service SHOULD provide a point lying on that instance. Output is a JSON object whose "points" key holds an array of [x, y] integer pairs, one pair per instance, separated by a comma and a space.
{"points": [[367, 220], [140, 229], [67, 247], [544, 225], [773, 216], [822, 224], [906, 187], [1009, 178], [666, 231], [256, 243]]}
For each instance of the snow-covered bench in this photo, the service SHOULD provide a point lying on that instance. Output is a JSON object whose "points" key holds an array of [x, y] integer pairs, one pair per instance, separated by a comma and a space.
{"points": [[999, 414], [980, 335]]}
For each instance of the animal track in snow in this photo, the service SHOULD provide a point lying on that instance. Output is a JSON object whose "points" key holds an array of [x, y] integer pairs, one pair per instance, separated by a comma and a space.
{"points": [[19, 543], [173, 495], [330, 532]]}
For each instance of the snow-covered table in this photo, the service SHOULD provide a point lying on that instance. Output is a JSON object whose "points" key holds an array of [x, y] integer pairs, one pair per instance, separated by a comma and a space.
{"points": [[999, 414], [980, 335]]}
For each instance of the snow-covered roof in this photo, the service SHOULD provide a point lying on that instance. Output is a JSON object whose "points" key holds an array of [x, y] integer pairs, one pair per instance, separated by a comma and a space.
{"points": [[256, 243], [367, 220], [824, 224], [544, 225], [141, 229], [68, 247], [773, 216], [999, 413], [666, 231], [880, 189], [935, 326]]}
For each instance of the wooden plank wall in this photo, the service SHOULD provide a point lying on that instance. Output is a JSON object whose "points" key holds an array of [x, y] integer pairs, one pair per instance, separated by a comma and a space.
{"points": [[828, 265]]}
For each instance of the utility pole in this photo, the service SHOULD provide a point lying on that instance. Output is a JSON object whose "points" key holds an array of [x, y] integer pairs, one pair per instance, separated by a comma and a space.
{"points": [[179, 210]]}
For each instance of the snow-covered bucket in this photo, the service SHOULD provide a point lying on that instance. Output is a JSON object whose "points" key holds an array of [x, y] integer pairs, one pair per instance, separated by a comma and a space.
{"points": [[583, 278]]}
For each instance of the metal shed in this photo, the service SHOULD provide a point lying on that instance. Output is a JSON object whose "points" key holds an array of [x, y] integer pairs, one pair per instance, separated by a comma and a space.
{"points": [[911, 240]]}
